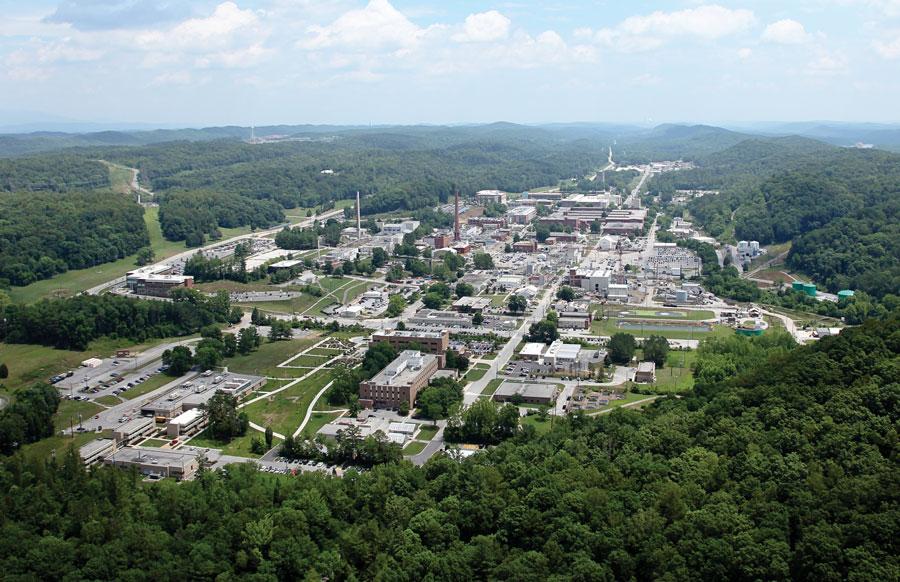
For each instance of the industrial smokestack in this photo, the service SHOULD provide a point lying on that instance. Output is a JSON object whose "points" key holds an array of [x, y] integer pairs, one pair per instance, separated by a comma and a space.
{"points": [[456, 216], [358, 219]]}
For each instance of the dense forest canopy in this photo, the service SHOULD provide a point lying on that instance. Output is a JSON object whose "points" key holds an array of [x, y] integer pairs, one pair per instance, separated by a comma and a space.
{"points": [[781, 465], [43, 233], [53, 172], [74, 322]]}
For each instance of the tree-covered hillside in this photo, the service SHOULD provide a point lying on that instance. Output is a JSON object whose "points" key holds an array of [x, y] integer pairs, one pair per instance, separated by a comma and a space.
{"points": [[43, 233], [838, 206], [782, 465], [52, 172]]}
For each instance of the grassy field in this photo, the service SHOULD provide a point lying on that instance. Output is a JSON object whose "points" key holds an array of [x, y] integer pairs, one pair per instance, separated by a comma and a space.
{"points": [[109, 400], [316, 421], [237, 286], [152, 383], [57, 445], [310, 361], [658, 314], [676, 376], [608, 327], [541, 426], [265, 360], [492, 387], [329, 352], [73, 282], [156, 443], [476, 373], [284, 411], [414, 448], [292, 305], [239, 447], [426, 433]]}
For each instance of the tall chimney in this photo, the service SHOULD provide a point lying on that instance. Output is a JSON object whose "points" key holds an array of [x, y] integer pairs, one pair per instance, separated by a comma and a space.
{"points": [[456, 216], [358, 219]]}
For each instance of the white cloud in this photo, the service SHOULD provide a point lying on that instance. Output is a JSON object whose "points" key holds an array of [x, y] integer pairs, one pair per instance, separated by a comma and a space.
{"points": [[484, 27], [172, 78], [378, 25], [216, 30], [745, 53], [712, 21], [647, 32], [786, 31]]}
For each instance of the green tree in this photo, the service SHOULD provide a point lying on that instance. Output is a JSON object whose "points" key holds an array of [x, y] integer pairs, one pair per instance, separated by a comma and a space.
{"points": [[248, 340], [225, 422], [543, 331], [179, 359], [433, 300], [270, 435], [656, 349], [483, 261], [565, 293], [621, 348], [477, 319], [396, 305], [207, 358], [4, 371], [144, 256], [517, 304], [464, 290]]}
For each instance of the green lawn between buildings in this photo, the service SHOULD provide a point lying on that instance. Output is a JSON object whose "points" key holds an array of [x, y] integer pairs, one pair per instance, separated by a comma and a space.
{"points": [[285, 410]]}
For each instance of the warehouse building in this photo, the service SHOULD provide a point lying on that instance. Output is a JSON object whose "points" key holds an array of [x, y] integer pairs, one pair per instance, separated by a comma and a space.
{"points": [[399, 382], [540, 394]]}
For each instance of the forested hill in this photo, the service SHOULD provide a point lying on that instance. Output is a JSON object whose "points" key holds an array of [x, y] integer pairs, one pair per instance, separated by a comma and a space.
{"points": [[839, 207], [788, 471], [46, 233]]}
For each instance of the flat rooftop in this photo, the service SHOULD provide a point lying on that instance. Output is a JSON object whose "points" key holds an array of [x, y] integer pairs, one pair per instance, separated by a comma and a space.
{"points": [[151, 456], [404, 369], [508, 389]]}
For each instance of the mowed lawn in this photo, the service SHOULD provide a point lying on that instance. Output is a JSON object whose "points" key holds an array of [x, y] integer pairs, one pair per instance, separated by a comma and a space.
{"points": [[285, 410], [73, 282], [677, 375], [264, 361], [239, 446]]}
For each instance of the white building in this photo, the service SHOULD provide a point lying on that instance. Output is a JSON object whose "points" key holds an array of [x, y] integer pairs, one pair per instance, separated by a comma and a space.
{"points": [[522, 214], [490, 197]]}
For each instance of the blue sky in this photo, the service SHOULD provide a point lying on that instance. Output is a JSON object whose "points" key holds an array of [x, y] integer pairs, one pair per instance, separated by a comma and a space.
{"points": [[405, 61]]}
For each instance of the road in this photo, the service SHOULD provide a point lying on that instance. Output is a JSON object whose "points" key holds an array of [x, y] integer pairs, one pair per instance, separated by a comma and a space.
{"points": [[634, 199], [184, 256], [474, 389]]}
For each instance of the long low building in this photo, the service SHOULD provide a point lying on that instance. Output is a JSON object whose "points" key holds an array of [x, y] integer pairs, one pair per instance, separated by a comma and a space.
{"points": [[134, 430], [156, 462], [433, 342], [197, 392], [94, 451]]}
